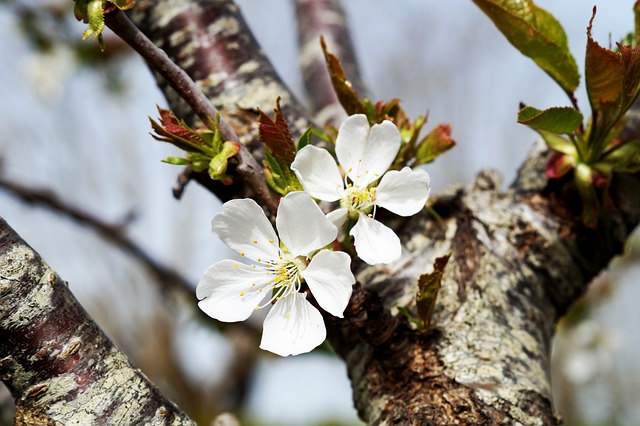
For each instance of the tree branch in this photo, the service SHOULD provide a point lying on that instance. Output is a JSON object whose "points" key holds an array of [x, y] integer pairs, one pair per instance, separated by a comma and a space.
{"points": [[247, 167], [114, 233], [57, 363], [519, 259], [325, 18], [212, 43]]}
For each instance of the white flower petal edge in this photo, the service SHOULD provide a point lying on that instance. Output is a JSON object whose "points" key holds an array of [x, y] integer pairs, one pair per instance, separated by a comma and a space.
{"points": [[230, 291], [351, 143], [338, 217], [319, 174], [301, 224], [292, 327], [404, 192], [375, 243], [330, 280], [382, 147], [243, 226]]}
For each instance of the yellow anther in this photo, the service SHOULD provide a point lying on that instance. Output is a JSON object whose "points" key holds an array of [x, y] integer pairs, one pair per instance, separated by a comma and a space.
{"points": [[271, 241], [235, 265], [288, 314], [255, 241], [242, 254], [241, 293]]}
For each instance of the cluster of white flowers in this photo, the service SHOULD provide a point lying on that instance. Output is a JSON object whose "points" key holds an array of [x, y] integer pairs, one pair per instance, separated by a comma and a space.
{"points": [[300, 256]]}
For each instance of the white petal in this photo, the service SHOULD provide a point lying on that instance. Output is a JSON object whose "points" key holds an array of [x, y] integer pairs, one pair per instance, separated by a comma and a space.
{"points": [[351, 143], [330, 279], [227, 292], [243, 226], [403, 192], [375, 243], [302, 225], [293, 326], [338, 217], [318, 173], [382, 147]]}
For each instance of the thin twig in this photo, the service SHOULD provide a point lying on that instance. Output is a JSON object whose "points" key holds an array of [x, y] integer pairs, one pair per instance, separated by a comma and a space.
{"points": [[114, 233], [248, 168]]}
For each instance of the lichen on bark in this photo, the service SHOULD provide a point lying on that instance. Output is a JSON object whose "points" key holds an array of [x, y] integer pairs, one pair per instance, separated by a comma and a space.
{"points": [[57, 363]]}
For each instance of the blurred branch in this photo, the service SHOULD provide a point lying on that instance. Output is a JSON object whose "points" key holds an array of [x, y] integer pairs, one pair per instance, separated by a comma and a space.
{"points": [[247, 167], [167, 278], [325, 18]]}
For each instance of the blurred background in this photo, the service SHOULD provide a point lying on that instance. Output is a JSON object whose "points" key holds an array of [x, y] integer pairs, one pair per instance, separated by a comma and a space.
{"points": [[74, 122]]}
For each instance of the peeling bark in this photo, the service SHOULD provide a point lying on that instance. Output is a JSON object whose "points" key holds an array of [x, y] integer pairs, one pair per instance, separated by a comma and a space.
{"points": [[57, 363]]}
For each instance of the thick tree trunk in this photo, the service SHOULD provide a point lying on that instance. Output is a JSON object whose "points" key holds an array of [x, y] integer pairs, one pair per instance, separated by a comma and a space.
{"points": [[57, 363], [520, 257]]}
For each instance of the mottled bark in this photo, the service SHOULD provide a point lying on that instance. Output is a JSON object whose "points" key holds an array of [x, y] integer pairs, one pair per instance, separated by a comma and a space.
{"points": [[212, 43], [325, 18], [57, 363], [519, 258]]}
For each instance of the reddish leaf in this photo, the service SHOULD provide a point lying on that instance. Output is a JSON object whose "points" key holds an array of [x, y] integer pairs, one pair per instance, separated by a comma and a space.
{"points": [[613, 82], [276, 135], [347, 96], [559, 165]]}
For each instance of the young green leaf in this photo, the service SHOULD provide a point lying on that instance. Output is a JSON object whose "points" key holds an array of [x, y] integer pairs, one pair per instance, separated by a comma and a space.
{"points": [[435, 143], [428, 287], [305, 139], [537, 34], [555, 120]]}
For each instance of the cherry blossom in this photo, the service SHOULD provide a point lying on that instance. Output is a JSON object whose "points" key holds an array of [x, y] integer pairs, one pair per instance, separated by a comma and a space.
{"points": [[365, 154], [282, 264]]}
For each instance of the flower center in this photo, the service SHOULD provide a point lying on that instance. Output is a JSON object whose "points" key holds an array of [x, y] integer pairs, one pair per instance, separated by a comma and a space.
{"points": [[359, 199], [286, 277]]}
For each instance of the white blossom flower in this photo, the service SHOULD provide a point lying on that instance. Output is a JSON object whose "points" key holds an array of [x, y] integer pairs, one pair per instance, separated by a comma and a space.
{"points": [[230, 291], [365, 154]]}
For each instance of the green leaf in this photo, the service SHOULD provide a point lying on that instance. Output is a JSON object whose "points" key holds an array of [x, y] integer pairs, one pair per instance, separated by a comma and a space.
{"points": [[435, 143], [559, 143], [590, 205], [613, 83], [428, 287], [625, 158], [537, 34], [178, 161], [347, 96], [305, 139], [218, 164], [555, 120]]}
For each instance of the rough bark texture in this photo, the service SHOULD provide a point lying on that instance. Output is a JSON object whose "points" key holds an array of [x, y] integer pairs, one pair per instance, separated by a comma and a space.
{"points": [[211, 41], [519, 259], [57, 363]]}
